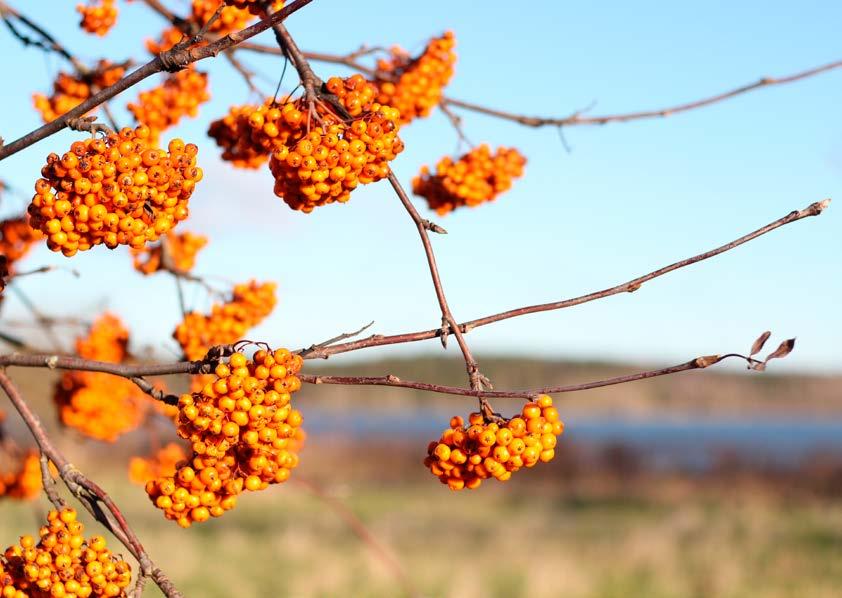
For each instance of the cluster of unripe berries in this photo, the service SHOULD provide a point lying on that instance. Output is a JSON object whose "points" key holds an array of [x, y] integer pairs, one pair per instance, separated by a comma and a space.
{"points": [[71, 90], [244, 435], [414, 85], [228, 322], [61, 563], [162, 463], [96, 404], [316, 159], [120, 190], [475, 178], [98, 16], [23, 483], [464, 456], [179, 96], [181, 250], [16, 239]]}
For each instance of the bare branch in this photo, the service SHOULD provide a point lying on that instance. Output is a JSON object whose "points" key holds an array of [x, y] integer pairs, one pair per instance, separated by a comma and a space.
{"points": [[577, 118], [87, 492], [813, 209], [171, 60], [391, 380]]}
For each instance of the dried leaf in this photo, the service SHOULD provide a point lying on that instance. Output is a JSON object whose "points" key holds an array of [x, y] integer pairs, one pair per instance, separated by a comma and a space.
{"points": [[758, 344], [784, 349]]}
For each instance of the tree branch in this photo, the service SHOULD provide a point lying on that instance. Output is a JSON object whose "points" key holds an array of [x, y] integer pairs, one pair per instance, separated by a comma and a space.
{"points": [[391, 380], [172, 60], [578, 119], [87, 492], [813, 209]]}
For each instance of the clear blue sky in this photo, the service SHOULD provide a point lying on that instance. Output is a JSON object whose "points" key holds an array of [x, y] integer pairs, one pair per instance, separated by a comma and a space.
{"points": [[626, 199]]}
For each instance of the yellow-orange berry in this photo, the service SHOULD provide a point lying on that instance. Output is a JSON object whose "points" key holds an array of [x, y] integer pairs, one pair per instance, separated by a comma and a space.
{"points": [[464, 457], [98, 16], [113, 197], [247, 448], [228, 322], [414, 85], [474, 178]]}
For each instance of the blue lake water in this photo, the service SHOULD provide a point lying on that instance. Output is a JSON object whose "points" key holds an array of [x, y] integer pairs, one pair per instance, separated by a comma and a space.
{"points": [[667, 441]]}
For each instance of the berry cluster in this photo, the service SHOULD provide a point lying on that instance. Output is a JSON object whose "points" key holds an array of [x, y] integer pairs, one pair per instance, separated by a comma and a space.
{"points": [[228, 322], [235, 16], [464, 457], [119, 190], [181, 249], [62, 563], [178, 96], [317, 167], [255, 7], [69, 91], [162, 463], [414, 85], [314, 165], [25, 482], [169, 38], [98, 17], [16, 239], [96, 404], [243, 145], [243, 434], [476, 177]]}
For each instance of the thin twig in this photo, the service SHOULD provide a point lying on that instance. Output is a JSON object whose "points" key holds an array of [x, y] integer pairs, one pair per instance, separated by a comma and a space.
{"points": [[391, 380], [813, 209], [577, 118], [363, 533], [171, 60], [339, 337], [87, 492]]}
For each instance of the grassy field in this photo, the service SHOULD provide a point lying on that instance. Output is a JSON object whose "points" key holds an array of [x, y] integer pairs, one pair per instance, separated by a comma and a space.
{"points": [[597, 536]]}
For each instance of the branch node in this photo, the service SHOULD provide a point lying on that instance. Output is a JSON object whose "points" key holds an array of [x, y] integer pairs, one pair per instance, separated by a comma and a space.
{"points": [[706, 361]]}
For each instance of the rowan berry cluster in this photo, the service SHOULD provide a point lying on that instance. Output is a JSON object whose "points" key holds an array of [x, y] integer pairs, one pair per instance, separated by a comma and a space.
{"points": [[169, 38], [120, 190], [162, 463], [235, 16], [234, 135], [181, 249], [255, 7], [314, 165], [317, 167], [61, 563], [178, 96], [243, 433], [465, 456], [24, 483], [69, 90], [228, 322], [100, 405], [476, 177], [414, 85], [98, 16], [16, 239]]}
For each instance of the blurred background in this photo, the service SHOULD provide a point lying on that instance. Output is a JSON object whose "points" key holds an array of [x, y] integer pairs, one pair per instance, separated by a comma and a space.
{"points": [[717, 483]]}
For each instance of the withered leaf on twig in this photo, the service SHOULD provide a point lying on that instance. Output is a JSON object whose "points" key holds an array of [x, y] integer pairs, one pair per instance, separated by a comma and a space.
{"points": [[758, 344], [784, 349]]}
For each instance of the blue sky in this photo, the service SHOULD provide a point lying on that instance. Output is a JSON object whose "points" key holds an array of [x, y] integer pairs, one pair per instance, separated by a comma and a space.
{"points": [[626, 199]]}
